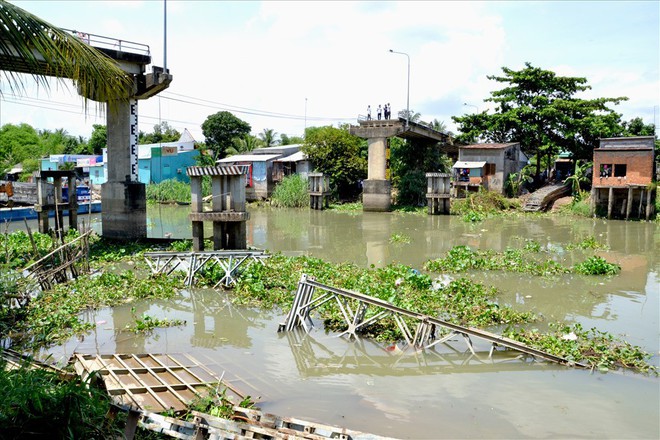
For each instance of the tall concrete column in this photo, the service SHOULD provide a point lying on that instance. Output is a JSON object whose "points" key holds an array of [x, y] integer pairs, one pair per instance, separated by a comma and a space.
{"points": [[124, 201], [377, 190]]}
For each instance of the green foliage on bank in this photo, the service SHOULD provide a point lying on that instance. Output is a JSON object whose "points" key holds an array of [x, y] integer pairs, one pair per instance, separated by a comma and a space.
{"points": [[41, 404], [483, 204], [291, 192], [168, 191]]}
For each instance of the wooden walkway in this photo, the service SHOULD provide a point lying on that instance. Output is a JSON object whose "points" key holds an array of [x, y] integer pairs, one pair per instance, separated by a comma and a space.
{"points": [[353, 306], [193, 262], [541, 199]]}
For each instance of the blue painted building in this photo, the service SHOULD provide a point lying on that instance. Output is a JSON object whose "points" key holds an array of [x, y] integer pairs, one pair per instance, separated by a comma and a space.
{"points": [[156, 162]]}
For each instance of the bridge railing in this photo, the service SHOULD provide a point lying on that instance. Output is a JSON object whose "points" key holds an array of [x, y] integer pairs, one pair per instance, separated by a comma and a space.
{"points": [[99, 41]]}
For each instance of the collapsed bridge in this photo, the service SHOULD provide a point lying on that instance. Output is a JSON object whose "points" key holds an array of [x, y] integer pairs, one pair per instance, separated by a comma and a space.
{"points": [[353, 306]]}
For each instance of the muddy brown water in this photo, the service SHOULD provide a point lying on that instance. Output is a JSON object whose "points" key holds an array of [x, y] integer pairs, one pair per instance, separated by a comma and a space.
{"points": [[443, 393]]}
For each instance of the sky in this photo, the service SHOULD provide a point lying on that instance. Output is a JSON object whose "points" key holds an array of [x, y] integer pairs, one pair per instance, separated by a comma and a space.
{"points": [[289, 65]]}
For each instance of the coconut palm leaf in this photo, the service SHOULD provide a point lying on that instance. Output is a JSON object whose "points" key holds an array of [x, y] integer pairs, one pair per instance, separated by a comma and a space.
{"points": [[31, 45]]}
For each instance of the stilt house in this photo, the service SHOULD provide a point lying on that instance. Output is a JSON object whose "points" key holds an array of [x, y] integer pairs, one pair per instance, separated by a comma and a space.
{"points": [[622, 174]]}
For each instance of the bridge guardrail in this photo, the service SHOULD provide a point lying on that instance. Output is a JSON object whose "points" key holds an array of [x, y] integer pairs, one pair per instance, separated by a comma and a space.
{"points": [[99, 41]]}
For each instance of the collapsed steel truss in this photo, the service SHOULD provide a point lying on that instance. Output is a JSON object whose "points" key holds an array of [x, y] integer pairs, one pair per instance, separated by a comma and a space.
{"points": [[193, 262], [353, 306]]}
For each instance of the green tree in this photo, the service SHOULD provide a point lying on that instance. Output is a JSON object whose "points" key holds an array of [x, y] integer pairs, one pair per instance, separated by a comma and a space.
{"points": [[409, 162], [414, 117], [56, 142], [637, 127], [221, 129], [539, 109], [19, 142], [98, 140], [339, 155], [243, 144], [163, 132], [290, 140], [268, 137], [46, 51]]}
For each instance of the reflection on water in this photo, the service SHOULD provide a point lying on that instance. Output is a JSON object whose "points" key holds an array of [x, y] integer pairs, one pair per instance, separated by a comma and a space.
{"points": [[443, 393]]}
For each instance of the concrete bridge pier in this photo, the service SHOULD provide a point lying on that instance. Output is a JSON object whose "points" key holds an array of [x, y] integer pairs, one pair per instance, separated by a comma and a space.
{"points": [[124, 202], [377, 190]]}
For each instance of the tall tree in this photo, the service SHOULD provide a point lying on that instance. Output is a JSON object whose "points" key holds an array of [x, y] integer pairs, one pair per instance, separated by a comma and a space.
{"points": [[268, 137], [221, 129], [243, 144], [339, 155], [163, 132], [98, 140], [55, 142], [18, 143], [539, 109], [637, 127], [290, 140]]}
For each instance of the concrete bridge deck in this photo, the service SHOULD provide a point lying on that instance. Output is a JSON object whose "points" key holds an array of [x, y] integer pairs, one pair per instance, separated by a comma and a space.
{"points": [[369, 128]]}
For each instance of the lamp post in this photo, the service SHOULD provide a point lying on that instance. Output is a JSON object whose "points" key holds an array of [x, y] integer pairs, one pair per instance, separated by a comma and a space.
{"points": [[471, 105], [408, 93]]}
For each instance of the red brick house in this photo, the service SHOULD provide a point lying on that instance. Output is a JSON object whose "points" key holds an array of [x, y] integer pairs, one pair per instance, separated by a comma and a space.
{"points": [[622, 172]]}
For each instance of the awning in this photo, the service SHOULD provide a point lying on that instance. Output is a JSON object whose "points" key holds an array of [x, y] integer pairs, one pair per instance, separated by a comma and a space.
{"points": [[465, 164], [249, 158]]}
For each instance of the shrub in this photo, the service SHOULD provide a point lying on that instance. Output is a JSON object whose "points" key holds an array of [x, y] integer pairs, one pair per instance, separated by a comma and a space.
{"points": [[412, 188], [38, 404], [291, 193], [170, 190]]}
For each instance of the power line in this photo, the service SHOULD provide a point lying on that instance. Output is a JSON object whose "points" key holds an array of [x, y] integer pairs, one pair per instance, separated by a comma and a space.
{"points": [[246, 110], [61, 106]]}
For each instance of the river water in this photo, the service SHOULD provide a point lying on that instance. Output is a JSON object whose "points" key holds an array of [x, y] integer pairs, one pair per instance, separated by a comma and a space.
{"points": [[443, 393]]}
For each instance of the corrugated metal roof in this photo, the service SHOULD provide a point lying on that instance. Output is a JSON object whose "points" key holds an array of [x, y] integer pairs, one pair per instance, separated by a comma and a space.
{"points": [[466, 164], [295, 157], [249, 158], [491, 146]]}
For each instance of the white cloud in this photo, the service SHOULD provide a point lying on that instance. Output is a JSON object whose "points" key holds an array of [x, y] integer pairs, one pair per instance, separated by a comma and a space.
{"points": [[330, 59]]}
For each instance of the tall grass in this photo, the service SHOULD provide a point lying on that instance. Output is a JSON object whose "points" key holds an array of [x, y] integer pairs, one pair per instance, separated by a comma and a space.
{"points": [[172, 190], [291, 193]]}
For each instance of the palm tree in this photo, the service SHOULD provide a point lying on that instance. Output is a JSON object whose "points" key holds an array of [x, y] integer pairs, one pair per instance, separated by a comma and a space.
{"points": [[243, 144], [31, 45], [268, 137]]}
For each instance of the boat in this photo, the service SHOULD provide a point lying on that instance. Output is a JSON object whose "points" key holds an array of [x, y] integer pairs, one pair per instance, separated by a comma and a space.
{"points": [[18, 213]]}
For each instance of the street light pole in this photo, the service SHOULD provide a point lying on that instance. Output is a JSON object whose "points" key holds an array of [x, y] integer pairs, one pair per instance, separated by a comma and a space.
{"points": [[471, 105], [408, 93]]}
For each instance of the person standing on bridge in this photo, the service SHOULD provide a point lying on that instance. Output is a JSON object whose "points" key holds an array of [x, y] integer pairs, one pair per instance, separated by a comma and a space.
{"points": [[368, 113], [379, 111], [387, 111]]}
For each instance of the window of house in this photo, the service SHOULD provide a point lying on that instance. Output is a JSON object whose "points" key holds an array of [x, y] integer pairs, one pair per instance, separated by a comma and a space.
{"points": [[490, 169], [605, 170], [620, 170]]}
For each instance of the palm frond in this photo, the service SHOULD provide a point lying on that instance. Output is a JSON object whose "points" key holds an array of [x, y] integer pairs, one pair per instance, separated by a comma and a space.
{"points": [[31, 45]]}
